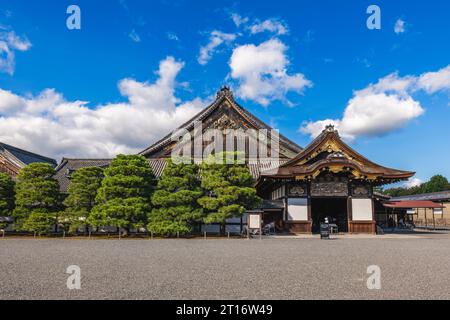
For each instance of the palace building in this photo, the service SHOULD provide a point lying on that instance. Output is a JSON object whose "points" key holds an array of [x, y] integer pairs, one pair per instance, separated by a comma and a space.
{"points": [[12, 159], [300, 187]]}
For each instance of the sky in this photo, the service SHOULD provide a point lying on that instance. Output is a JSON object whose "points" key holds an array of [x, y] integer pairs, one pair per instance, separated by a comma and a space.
{"points": [[138, 69]]}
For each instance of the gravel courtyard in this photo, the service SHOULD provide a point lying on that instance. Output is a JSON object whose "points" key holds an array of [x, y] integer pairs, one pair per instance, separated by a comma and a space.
{"points": [[412, 267]]}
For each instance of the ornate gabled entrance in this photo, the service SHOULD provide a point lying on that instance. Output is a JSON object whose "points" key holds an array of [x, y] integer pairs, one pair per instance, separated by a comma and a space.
{"points": [[328, 178]]}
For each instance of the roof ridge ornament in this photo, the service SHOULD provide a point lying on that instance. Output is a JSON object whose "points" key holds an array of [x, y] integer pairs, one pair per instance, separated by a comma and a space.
{"points": [[225, 91], [330, 128]]}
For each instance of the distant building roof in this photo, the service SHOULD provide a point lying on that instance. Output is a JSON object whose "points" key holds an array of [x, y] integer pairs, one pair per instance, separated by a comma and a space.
{"points": [[433, 196], [408, 204], [22, 157]]}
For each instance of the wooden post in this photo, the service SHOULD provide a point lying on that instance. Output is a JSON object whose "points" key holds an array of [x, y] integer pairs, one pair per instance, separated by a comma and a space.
{"points": [[260, 227], [426, 221], [434, 222]]}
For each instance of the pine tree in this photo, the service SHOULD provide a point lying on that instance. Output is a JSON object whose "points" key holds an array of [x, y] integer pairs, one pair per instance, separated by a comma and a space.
{"points": [[228, 190], [84, 184], [175, 200], [37, 197], [39, 221], [6, 197], [124, 196]]}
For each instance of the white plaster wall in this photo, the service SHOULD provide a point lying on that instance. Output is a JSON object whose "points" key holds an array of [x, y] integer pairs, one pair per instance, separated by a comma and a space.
{"points": [[298, 209], [362, 209]]}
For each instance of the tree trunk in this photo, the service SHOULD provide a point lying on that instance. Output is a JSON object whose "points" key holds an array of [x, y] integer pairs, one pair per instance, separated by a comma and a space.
{"points": [[222, 229]]}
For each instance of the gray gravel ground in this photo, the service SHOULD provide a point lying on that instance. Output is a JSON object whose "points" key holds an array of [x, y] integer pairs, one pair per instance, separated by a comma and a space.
{"points": [[412, 268]]}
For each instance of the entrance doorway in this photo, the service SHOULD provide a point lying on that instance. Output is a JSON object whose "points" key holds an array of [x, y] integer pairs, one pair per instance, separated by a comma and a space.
{"points": [[333, 208]]}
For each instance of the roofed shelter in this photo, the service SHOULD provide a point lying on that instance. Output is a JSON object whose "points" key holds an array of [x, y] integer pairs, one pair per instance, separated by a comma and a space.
{"points": [[423, 210]]}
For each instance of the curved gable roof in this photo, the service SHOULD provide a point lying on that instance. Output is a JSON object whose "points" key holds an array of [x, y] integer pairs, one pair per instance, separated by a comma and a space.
{"points": [[223, 96]]}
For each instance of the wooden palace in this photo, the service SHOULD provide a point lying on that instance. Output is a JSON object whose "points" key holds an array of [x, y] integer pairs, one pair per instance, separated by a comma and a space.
{"points": [[300, 187]]}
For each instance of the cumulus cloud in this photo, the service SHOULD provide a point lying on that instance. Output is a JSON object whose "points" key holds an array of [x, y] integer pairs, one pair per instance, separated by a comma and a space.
{"points": [[271, 25], [413, 182], [9, 43], [399, 26], [261, 72], [383, 107], [51, 125], [216, 38], [432, 82]]}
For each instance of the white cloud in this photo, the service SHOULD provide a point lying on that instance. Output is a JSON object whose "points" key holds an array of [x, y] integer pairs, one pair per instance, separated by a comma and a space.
{"points": [[384, 106], [432, 82], [262, 72], [9, 43], [17, 43], [271, 25], [399, 26], [134, 36], [413, 182], [50, 125], [216, 38], [239, 20]]}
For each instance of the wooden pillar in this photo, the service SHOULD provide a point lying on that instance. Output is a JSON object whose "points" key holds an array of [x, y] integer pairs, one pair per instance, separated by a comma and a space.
{"points": [[434, 222]]}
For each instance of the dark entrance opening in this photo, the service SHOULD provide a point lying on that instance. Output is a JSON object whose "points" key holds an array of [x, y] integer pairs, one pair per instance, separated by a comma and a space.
{"points": [[333, 208]]}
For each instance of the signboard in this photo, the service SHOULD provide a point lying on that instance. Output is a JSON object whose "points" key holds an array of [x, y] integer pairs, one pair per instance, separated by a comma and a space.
{"points": [[437, 211], [329, 189], [254, 221], [411, 211]]}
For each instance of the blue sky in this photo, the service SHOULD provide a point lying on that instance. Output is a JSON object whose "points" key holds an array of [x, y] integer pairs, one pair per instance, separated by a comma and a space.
{"points": [[325, 61]]}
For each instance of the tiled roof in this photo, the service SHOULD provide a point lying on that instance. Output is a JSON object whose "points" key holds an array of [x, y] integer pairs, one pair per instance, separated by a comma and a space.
{"points": [[434, 196], [23, 157], [68, 166], [312, 163]]}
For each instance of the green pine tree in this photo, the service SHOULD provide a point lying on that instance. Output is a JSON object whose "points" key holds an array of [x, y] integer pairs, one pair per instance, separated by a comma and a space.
{"points": [[228, 189], [39, 221], [123, 200], [37, 195], [175, 200], [84, 184], [6, 197]]}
